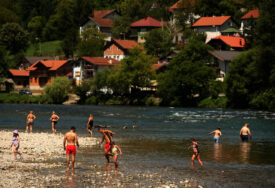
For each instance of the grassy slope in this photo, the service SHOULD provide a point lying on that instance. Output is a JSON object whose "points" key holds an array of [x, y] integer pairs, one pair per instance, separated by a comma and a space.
{"points": [[51, 48]]}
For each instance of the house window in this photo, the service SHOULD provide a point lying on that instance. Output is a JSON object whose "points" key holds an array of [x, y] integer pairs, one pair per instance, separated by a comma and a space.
{"points": [[117, 57]]}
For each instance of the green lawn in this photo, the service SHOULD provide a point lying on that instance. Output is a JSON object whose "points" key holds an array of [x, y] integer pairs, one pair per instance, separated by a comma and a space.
{"points": [[51, 48]]}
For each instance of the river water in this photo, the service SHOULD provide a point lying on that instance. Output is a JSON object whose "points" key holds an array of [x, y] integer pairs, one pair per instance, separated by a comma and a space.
{"points": [[156, 152]]}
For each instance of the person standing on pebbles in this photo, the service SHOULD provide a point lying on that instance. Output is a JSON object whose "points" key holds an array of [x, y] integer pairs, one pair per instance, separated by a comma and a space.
{"points": [[71, 139], [30, 121], [54, 118], [16, 143], [90, 124], [196, 152]]}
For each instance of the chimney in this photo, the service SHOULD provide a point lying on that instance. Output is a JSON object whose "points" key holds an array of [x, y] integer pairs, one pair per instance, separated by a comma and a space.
{"points": [[241, 42]]}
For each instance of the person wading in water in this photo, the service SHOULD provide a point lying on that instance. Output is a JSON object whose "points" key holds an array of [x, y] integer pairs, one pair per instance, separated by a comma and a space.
{"points": [[107, 136]]}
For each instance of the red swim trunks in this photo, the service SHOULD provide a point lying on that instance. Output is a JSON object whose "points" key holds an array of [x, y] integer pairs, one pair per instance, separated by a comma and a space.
{"points": [[71, 149], [107, 146]]}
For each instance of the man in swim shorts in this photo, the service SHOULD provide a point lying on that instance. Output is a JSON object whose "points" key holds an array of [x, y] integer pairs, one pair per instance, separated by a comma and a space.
{"points": [[90, 124], [54, 118], [245, 132], [217, 134], [30, 121], [107, 136], [71, 139]]}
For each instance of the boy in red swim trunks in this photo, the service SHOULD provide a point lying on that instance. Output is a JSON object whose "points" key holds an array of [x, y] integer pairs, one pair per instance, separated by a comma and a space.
{"points": [[107, 136], [71, 138]]}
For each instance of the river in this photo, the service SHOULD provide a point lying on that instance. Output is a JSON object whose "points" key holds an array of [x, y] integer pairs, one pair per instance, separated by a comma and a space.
{"points": [[157, 150]]}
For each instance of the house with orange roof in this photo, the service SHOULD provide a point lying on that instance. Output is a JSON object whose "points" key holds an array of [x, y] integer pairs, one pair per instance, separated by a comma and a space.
{"points": [[87, 67], [227, 43], [213, 26], [249, 19], [103, 21], [140, 27], [20, 78], [42, 72], [179, 7], [119, 49]]}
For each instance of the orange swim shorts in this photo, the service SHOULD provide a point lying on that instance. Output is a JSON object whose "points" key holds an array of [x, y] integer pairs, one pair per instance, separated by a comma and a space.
{"points": [[71, 149]]}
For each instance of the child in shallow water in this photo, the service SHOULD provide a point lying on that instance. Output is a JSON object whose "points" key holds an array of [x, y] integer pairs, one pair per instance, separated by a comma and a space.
{"points": [[196, 152], [16, 143], [116, 151]]}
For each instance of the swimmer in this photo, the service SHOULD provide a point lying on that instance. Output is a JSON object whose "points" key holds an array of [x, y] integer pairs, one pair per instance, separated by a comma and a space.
{"points": [[116, 151], [71, 139], [245, 132], [196, 152], [217, 134], [107, 136], [16, 143], [90, 124], [54, 118], [30, 121]]}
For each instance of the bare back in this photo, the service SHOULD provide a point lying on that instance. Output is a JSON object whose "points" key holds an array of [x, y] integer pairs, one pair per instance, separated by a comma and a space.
{"points": [[245, 131], [71, 138]]}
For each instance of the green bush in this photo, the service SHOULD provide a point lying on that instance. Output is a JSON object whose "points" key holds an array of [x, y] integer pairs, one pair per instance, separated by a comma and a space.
{"points": [[209, 102], [152, 101], [264, 100], [15, 98], [58, 90], [92, 100]]}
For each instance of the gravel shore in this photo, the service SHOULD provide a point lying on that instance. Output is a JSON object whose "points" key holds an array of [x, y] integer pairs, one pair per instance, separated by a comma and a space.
{"points": [[40, 151]]}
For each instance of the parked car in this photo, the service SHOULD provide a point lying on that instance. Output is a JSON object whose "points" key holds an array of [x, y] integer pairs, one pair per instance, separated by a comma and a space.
{"points": [[25, 92]]}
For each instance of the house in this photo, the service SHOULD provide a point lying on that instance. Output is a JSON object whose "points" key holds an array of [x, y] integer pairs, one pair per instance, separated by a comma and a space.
{"points": [[103, 21], [87, 67], [140, 27], [27, 61], [119, 49], [42, 72], [227, 43], [159, 67], [20, 78], [249, 19], [222, 60], [212, 26]]}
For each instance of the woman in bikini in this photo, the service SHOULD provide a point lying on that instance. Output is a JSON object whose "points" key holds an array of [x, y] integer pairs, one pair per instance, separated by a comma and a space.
{"points": [[116, 151], [196, 152], [54, 118]]}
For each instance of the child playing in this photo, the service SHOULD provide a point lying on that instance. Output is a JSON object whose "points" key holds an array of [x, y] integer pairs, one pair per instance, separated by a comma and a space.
{"points": [[15, 143], [196, 153], [116, 151]]}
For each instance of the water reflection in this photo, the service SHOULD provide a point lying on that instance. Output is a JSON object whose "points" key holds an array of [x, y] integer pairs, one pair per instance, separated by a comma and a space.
{"points": [[70, 180], [217, 152], [245, 148]]}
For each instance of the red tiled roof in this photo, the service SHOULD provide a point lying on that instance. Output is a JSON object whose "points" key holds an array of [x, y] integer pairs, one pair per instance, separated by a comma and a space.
{"points": [[101, 61], [147, 22], [182, 4], [209, 21], [252, 14], [103, 22], [237, 42], [127, 44], [51, 64], [16, 72], [102, 13]]}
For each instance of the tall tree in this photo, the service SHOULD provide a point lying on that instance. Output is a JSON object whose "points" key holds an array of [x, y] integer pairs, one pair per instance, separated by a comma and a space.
{"points": [[14, 38], [91, 42], [158, 42], [187, 75]]}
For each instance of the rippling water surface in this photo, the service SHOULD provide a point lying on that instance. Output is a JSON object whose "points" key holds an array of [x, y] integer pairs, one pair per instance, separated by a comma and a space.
{"points": [[156, 152]]}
